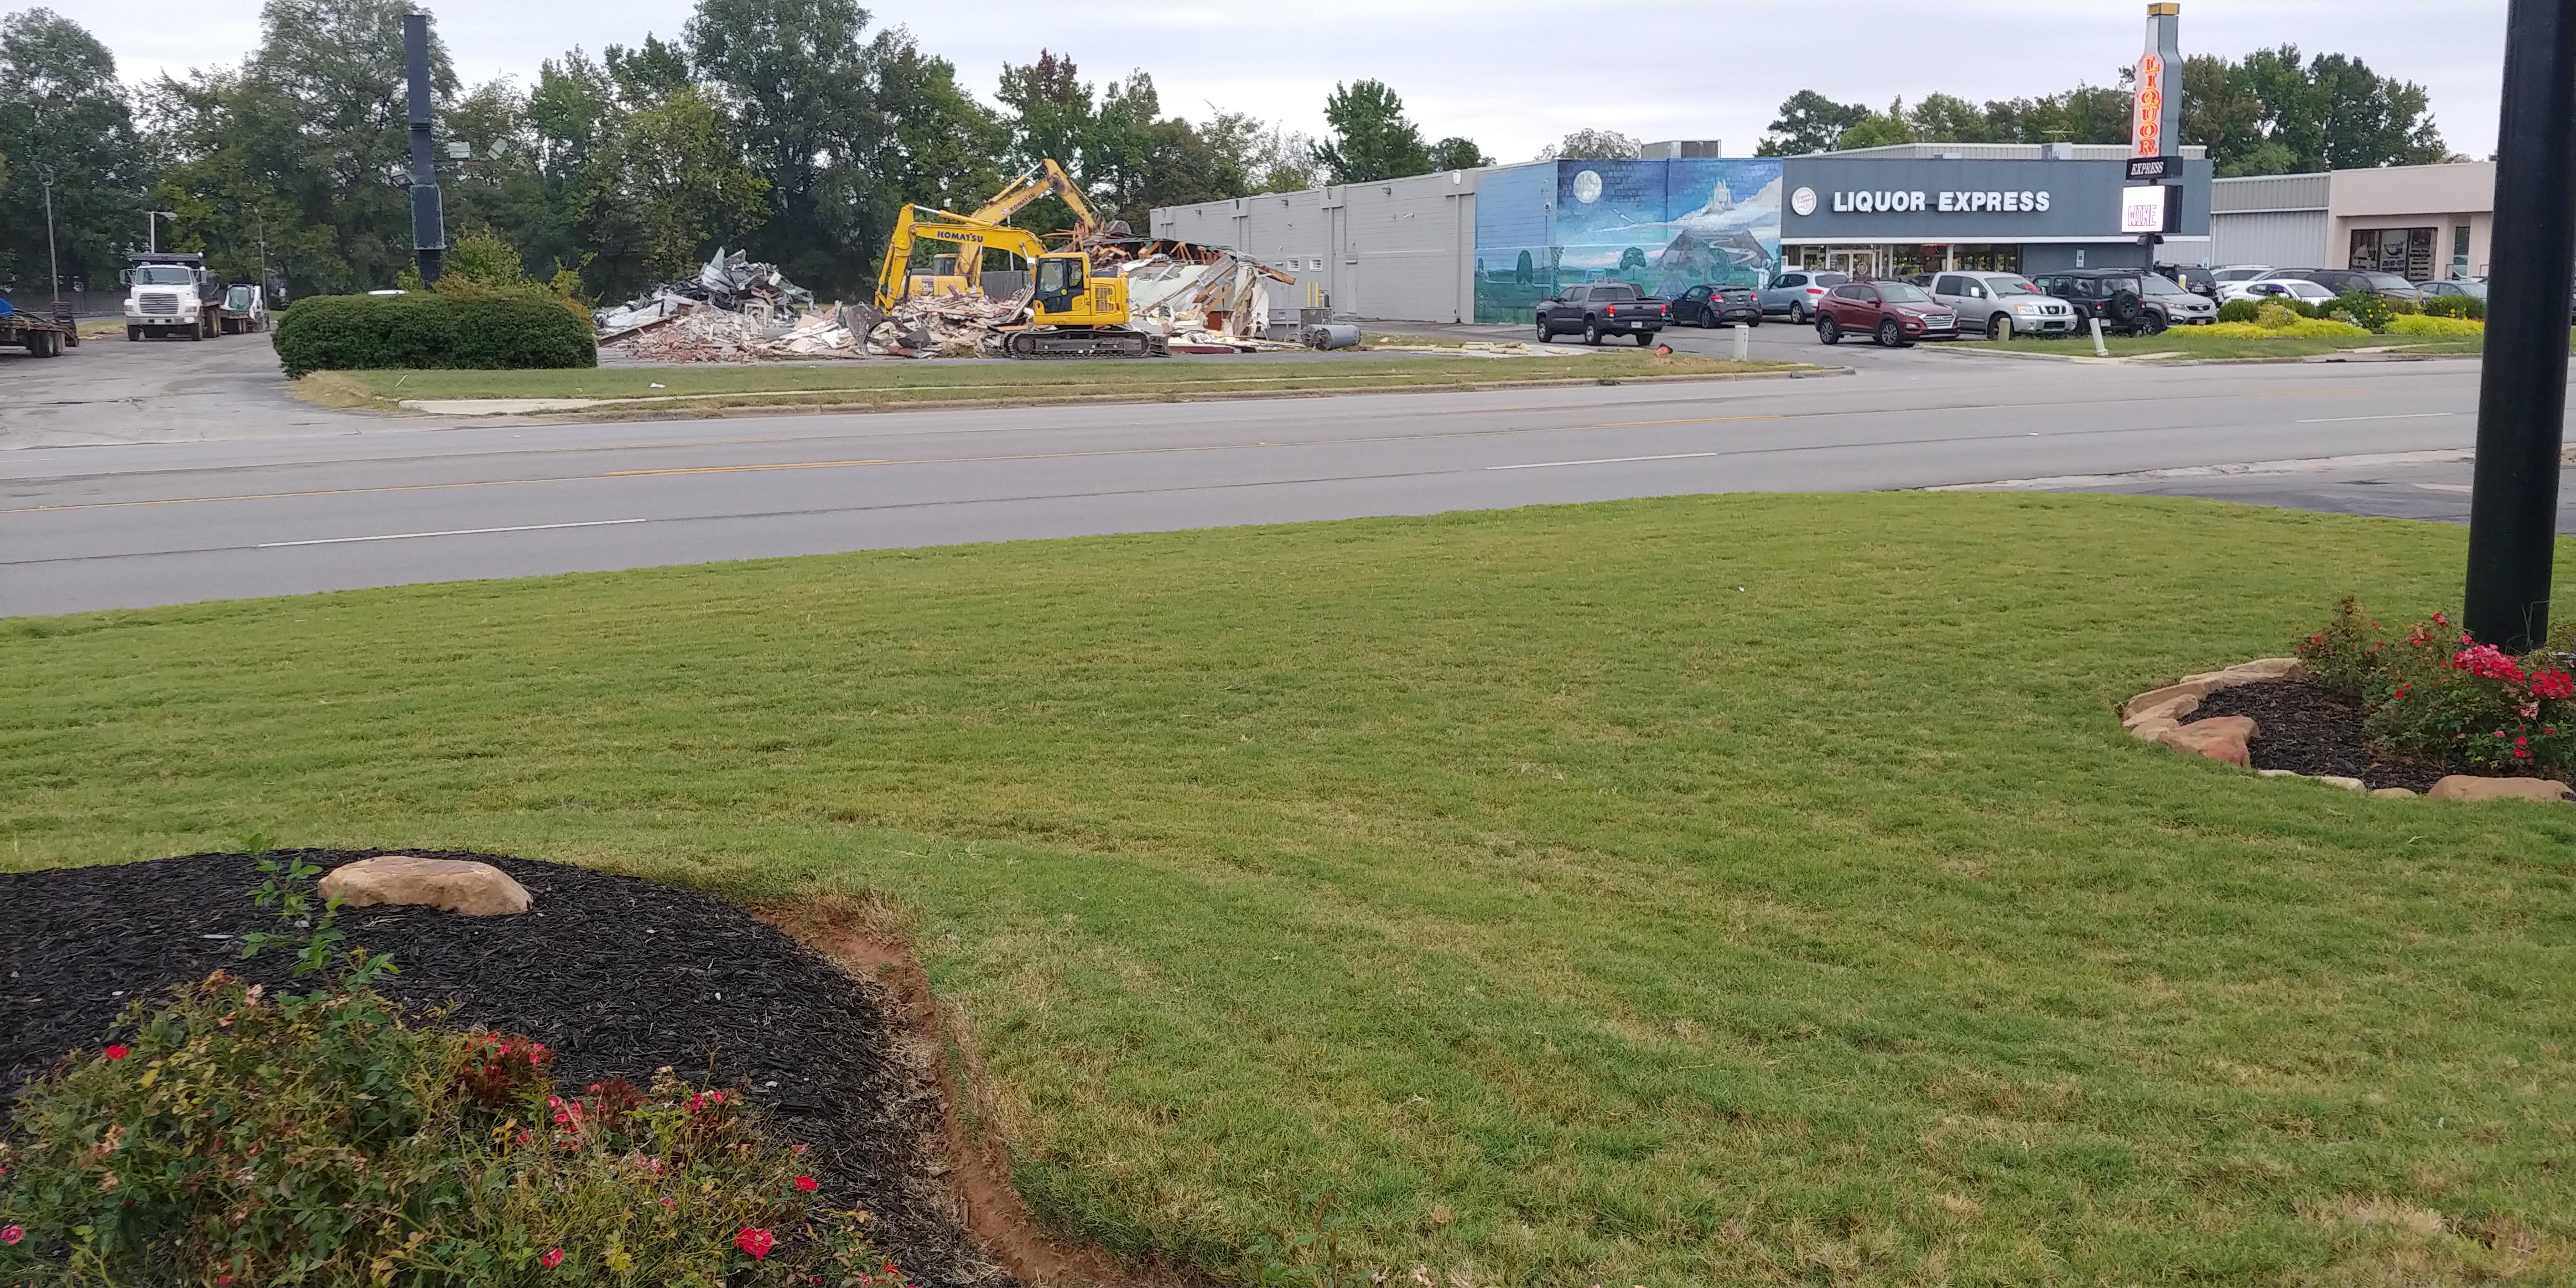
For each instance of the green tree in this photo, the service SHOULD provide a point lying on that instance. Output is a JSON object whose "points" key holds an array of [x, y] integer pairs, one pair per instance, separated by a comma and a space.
{"points": [[63, 113], [2272, 113], [1371, 139], [1879, 129], [1809, 122], [795, 79], [1272, 159], [1457, 153], [669, 187], [1592, 145]]}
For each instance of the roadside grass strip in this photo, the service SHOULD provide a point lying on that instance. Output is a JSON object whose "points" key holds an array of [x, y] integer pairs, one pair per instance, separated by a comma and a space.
{"points": [[891, 383], [1742, 889]]}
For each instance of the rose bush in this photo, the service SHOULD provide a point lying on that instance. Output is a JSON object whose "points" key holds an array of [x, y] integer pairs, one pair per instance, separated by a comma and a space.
{"points": [[2436, 694]]}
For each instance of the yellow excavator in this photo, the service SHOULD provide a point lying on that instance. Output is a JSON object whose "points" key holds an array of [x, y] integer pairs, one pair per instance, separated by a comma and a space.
{"points": [[963, 274], [1073, 313]]}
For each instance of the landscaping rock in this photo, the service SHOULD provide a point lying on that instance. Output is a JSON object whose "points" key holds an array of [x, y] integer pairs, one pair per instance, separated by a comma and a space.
{"points": [[449, 885], [2394, 794], [2195, 688], [2173, 708], [2470, 787], [2348, 784], [2221, 739], [2268, 668], [2153, 730]]}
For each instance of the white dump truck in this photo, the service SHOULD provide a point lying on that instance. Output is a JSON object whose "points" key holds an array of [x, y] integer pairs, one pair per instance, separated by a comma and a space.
{"points": [[170, 293]]}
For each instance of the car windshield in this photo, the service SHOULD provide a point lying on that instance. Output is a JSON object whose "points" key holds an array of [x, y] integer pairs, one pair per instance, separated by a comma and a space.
{"points": [[1903, 293], [1614, 293], [2387, 282], [2012, 286], [161, 275], [2474, 290], [2157, 285], [1832, 279], [238, 299]]}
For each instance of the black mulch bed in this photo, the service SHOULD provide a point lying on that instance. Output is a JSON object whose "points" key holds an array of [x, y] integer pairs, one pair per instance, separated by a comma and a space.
{"points": [[2304, 727], [620, 976]]}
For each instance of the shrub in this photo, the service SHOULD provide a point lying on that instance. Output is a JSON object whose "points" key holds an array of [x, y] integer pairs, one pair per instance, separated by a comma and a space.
{"points": [[2289, 327], [470, 328], [231, 1136], [2456, 306], [2239, 311], [2425, 324], [2437, 695], [2365, 309], [2277, 315]]}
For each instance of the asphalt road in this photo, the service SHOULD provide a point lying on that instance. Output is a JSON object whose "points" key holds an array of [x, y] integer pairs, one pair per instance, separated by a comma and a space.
{"points": [[347, 502]]}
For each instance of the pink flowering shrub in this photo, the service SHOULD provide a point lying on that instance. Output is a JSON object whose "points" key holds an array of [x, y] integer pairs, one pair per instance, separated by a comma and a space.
{"points": [[2436, 694], [236, 1136]]}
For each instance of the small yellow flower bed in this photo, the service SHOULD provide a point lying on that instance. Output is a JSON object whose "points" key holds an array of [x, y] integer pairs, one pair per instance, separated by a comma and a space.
{"points": [[2425, 324], [2305, 328]]}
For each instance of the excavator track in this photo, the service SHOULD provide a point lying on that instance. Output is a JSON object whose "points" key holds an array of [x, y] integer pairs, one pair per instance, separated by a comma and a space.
{"points": [[1084, 342]]}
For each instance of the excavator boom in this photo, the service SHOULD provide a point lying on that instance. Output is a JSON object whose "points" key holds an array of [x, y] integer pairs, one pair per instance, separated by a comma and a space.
{"points": [[1072, 313], [1037, 181]]}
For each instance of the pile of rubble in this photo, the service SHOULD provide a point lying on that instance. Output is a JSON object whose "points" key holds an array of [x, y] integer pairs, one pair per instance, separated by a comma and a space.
{"points": [[1200, 298]]}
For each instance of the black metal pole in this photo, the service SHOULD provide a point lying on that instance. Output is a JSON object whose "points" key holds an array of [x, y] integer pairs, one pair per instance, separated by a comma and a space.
{"points": [[428, 217], [2522, 393]]}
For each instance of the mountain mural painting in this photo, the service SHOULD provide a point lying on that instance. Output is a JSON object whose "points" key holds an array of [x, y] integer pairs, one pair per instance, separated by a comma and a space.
{"points": [[1661, 225]]}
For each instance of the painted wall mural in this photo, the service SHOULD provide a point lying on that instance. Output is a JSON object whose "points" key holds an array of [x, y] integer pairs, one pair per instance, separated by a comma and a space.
{"points": [[1664, 226]]}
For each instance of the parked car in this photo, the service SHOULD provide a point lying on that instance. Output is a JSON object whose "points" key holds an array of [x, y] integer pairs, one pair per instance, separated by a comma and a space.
{"points": [[2340, 280], [1895, 314], [1718, 306], [2287, 288], [1796, 292], [2129, 300], [1997, 303], [1603, 309], [2475, 288], [2195, 278]]}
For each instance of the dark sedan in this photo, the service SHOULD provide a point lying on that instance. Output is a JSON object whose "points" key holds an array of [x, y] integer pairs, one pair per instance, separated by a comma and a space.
{"points": [[1714, 306]]}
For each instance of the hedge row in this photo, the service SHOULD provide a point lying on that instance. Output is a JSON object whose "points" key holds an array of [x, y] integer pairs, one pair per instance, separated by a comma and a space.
{"points": [[360, 332]]}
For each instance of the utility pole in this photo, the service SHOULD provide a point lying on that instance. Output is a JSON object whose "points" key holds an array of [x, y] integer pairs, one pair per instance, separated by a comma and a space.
{"points": [[428, 217], [152, 228], [2522, 392], [53, 264]]}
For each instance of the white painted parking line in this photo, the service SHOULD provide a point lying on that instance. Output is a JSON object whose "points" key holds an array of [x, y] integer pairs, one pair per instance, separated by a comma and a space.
{"points": [[452, 532], [2408, 415], [1606, 460]]}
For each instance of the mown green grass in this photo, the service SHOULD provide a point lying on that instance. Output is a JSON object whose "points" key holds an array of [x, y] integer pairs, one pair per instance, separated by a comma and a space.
{"points": [[2190, 343], [1707, 890], [905, 382]]}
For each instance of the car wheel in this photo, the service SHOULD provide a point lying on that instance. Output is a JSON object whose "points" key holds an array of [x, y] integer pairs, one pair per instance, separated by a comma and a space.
{"points": [[1829, 331], [133, 335], [1798, 314], [1890, 336], [1999, 327], [1592, 333], [1544, 335], [1757, 320], [1708, 319]]}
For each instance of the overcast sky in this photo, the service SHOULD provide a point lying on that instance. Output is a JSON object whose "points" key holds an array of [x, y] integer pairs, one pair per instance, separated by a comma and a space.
{"points": [[1513, 75]]}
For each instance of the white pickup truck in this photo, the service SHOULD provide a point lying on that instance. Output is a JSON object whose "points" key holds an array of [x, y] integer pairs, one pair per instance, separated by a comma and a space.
{"points": [[170, 293]]}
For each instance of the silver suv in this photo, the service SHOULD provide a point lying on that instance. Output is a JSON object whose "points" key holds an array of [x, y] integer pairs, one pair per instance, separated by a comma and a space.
{"points": [[1797, 291], [2001, 304]]}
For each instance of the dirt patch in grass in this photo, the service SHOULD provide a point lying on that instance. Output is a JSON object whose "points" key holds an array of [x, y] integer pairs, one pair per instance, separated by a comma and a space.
{"points": [[870, 940], [2310, 729], [619, 976]]}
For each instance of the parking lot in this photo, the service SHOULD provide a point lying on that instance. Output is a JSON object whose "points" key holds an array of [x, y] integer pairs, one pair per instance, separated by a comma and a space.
{"points": [[110, 390]]}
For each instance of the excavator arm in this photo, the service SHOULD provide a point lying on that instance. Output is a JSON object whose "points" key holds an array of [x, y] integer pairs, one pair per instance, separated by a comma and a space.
{"points": [[1033, 183], [970, 237]]}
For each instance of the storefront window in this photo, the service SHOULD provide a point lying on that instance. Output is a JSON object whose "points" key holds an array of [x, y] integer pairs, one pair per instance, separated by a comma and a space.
{"points": [[2460, 251], [2407, 252]]}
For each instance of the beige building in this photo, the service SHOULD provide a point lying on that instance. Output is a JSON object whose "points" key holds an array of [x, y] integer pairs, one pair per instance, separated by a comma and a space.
{"points": [[2418, 221]]}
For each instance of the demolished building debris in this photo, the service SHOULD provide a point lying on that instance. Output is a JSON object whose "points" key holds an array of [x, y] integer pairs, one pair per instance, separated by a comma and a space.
{"points": [[1202, 299]]}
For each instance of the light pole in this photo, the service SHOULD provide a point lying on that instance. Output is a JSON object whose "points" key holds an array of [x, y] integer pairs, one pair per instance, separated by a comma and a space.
{"points": [[2522, 390], [53, 265], [152, 224]]}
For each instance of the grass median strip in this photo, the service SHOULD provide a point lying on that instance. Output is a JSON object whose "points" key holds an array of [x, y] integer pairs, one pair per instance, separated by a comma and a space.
{"points": [[2186, 342], [1703, 890], [897, 383]]}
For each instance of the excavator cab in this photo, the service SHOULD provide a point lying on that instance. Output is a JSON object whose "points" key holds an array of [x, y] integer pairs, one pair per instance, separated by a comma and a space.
{"points": [[1068, 295]]}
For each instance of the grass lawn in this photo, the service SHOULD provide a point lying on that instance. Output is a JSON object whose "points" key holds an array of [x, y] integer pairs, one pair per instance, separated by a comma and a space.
{"points": [[890, 383], [2189, 342], [1709, 890]]}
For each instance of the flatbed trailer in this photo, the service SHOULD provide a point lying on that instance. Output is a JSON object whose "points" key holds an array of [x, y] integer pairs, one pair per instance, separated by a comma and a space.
{"points": [[41, 337]]}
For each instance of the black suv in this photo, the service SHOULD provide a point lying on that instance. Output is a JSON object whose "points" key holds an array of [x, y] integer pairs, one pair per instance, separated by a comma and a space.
{"points": [[2126, 303]]}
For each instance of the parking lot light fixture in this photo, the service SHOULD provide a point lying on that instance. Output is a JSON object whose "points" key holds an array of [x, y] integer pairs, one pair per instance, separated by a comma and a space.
{"points": [[2522, 389]]}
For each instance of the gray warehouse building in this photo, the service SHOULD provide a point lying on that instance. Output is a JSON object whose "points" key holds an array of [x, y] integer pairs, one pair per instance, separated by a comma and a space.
{"points": [[1488, 244]]}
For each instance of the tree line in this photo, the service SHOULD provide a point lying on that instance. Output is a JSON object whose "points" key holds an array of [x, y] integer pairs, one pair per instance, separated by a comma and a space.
{"points": [[2268, 113], [797, 129], [794, 129]]}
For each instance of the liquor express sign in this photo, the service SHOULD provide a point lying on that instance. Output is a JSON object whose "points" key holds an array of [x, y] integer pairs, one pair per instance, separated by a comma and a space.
{"points": [[2156, 109]]}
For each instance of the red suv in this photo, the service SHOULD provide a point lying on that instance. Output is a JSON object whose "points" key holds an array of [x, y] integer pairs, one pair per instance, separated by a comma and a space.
{"points": [[1893, 313]]}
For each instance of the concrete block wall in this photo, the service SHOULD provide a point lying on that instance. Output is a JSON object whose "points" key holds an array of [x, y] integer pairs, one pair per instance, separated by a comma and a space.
{"points": [[1400, 250]]}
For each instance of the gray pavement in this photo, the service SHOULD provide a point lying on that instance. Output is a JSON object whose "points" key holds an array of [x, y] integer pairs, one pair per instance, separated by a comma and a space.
{"points": [[110, 390], [348, 502]]}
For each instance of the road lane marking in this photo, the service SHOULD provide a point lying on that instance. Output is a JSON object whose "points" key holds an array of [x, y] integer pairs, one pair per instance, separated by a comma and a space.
{"points": [[451, 532], [1606, 460], [2403, 415]]}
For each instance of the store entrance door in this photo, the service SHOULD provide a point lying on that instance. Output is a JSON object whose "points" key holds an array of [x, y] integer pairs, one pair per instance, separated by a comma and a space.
{"points": [[1858, 263]]}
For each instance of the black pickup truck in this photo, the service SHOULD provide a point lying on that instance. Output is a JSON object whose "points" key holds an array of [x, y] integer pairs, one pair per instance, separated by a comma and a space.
{"points": [[1603, 308]]}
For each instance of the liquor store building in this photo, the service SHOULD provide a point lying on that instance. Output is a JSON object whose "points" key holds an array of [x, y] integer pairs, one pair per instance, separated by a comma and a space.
{"points": [[2013, 208]]}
